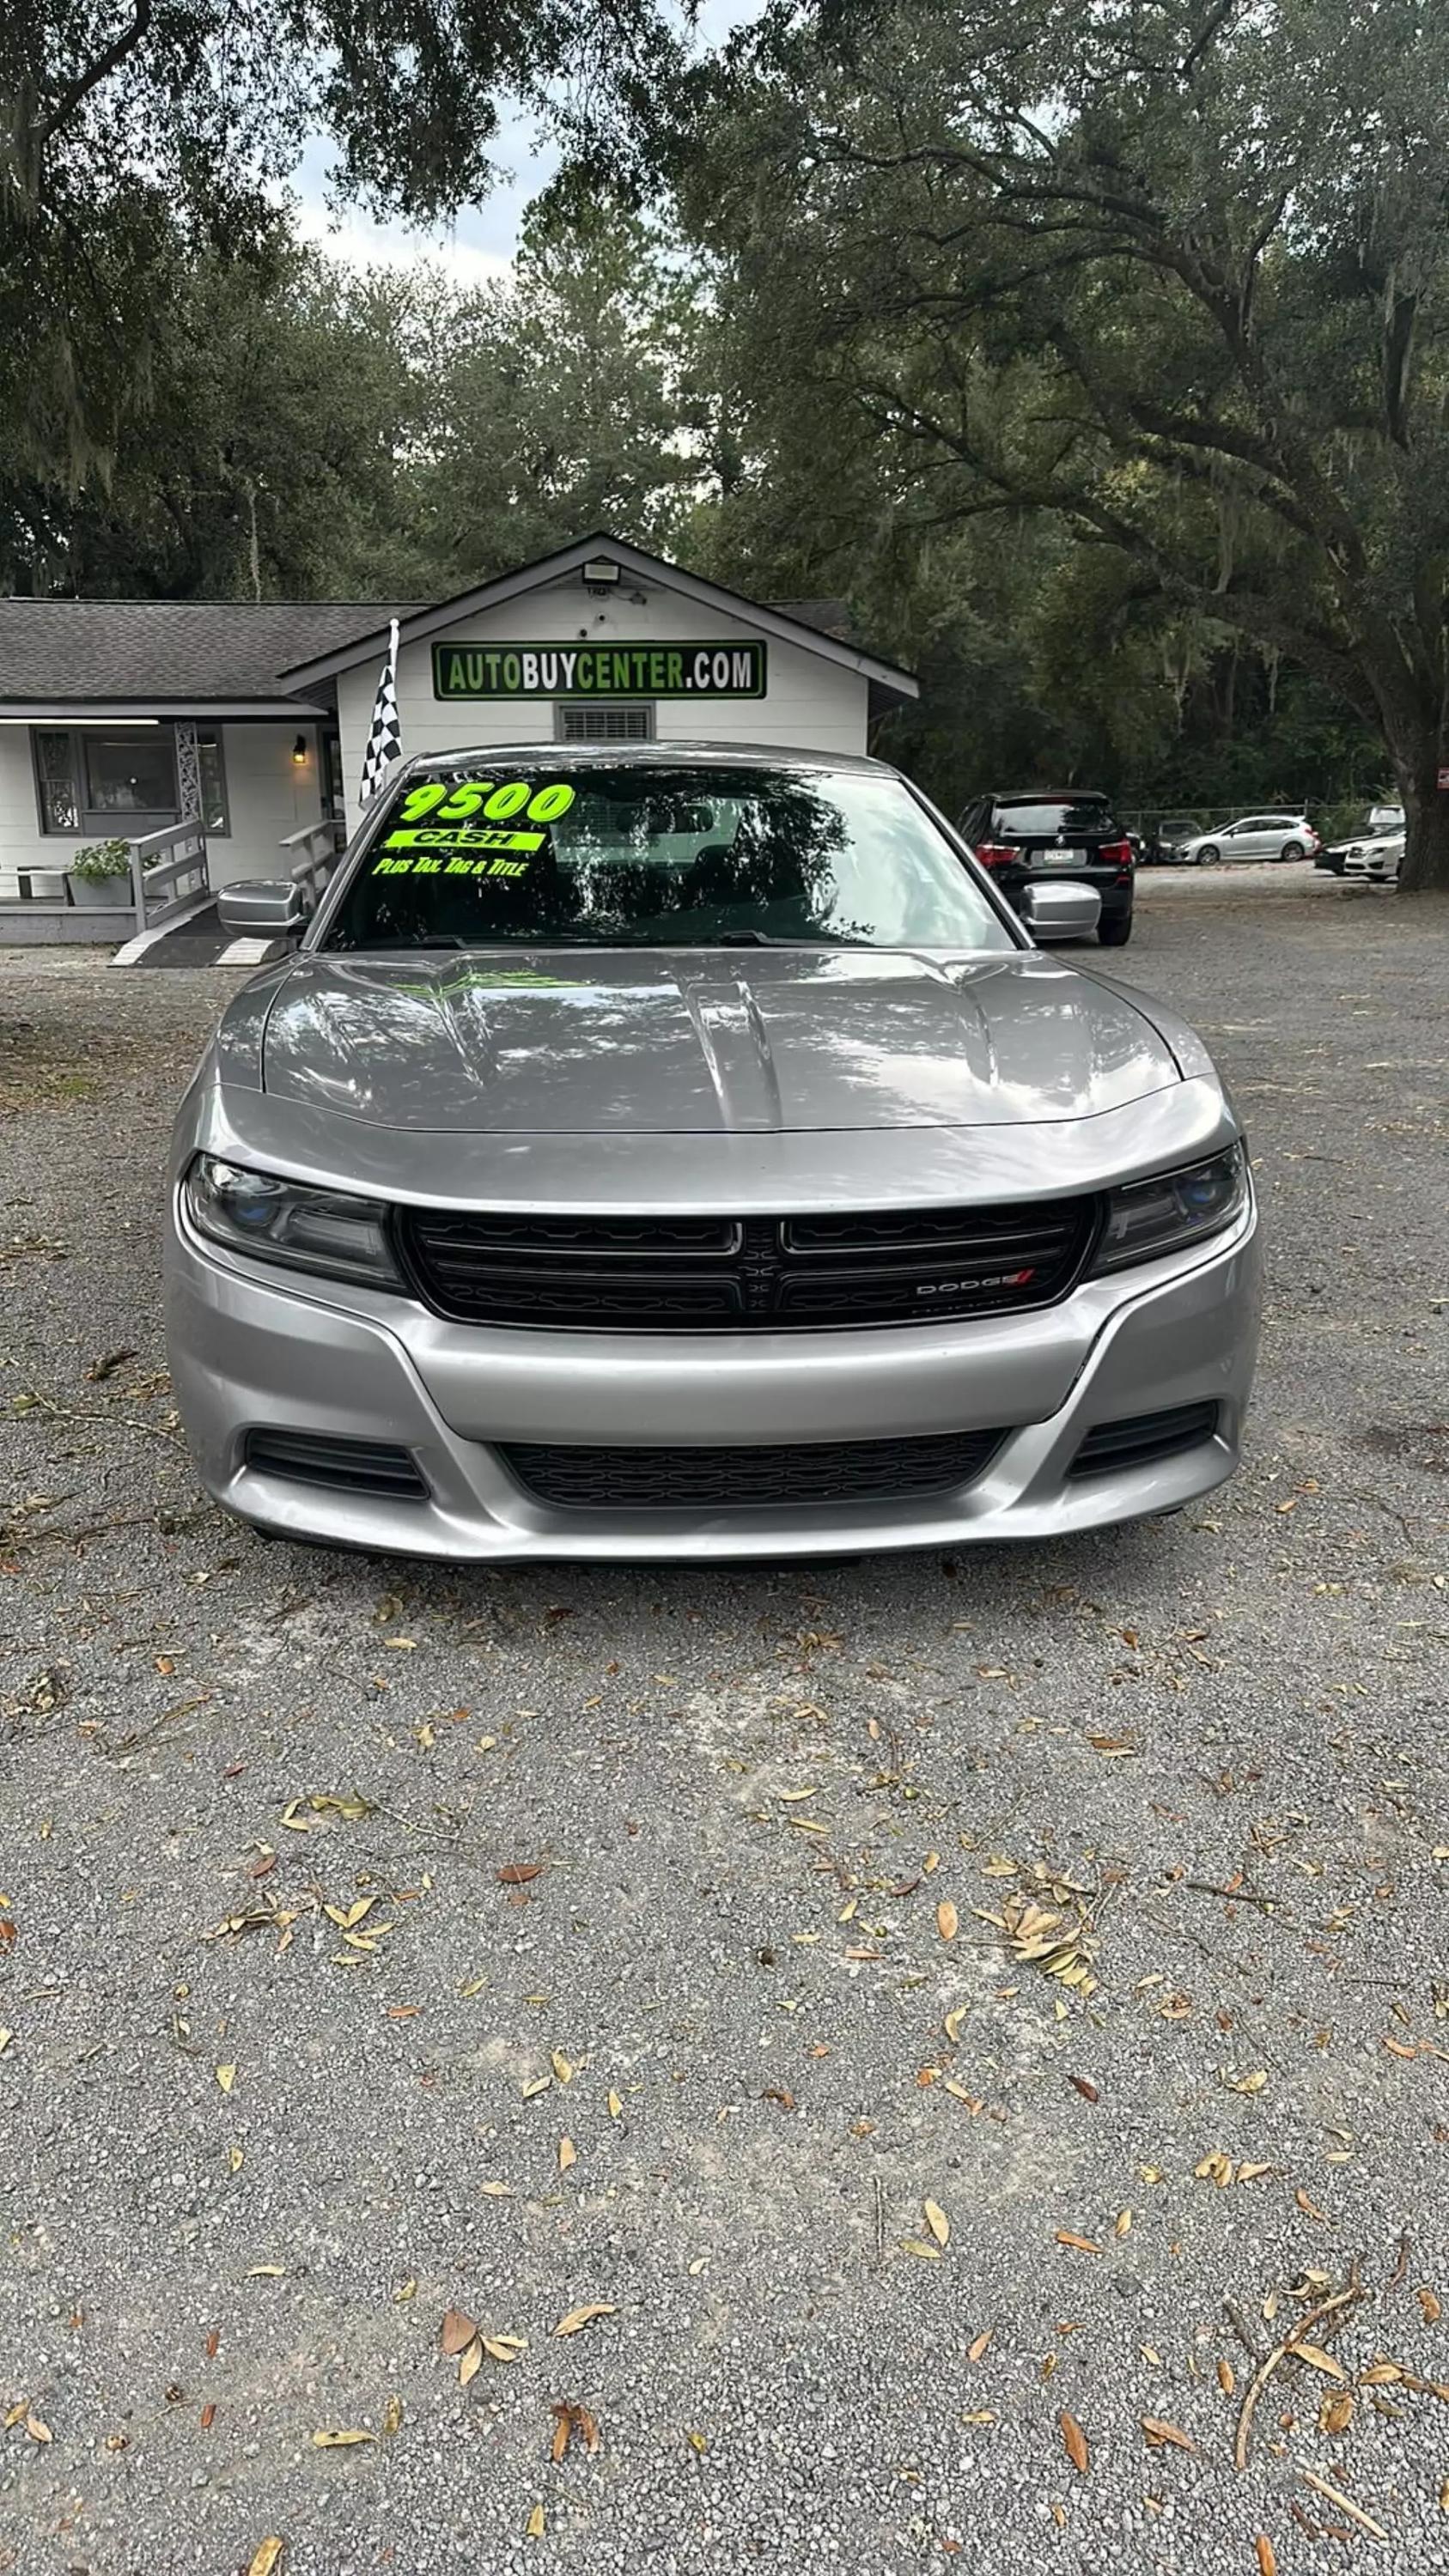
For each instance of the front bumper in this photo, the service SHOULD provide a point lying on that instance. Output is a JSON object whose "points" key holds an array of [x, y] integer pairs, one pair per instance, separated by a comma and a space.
{"points": [[253, 1349]]}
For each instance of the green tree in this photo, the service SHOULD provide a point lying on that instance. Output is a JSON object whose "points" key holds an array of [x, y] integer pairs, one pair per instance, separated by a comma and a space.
{"points": [[270, 459], [1174, 273], [124, 121], [565, 398]]}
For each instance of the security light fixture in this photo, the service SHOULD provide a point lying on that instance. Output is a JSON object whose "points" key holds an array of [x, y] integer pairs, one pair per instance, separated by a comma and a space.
{"points": [[299, 752], [600, 576]]}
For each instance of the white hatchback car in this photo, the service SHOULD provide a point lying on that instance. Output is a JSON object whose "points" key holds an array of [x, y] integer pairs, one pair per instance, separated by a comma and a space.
{"points": [[1254, 836]]}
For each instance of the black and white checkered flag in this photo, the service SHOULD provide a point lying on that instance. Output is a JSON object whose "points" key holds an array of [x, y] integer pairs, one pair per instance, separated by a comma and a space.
{"points": [[384, 743]]}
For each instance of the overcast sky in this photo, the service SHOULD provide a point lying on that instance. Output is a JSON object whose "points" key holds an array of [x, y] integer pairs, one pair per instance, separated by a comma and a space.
{"points": [[483, 240]]}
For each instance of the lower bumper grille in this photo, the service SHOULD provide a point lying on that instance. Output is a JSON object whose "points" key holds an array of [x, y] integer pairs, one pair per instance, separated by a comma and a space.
{"points": [[578, 1479], [347, 1466], [732, 1274], [1143, 1438]]}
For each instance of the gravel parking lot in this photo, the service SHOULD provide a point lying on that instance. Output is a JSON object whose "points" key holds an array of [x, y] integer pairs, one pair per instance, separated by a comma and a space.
{"points": [[377, 1943]]}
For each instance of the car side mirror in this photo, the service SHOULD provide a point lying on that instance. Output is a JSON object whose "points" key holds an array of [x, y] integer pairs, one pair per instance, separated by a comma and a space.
{"points": [[263, 908], [1061, 911]]}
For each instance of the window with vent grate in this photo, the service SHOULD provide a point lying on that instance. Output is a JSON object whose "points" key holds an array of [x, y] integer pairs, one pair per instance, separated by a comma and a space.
{"points": [[574, 720]]}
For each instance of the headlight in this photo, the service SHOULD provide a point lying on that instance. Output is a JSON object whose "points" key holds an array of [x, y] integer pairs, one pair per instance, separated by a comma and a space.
{"points": [[277, 1220], [1174, 1209]]}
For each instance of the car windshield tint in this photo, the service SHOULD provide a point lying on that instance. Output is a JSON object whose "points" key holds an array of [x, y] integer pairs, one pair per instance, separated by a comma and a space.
{"points": [[646, 856], [1087, 816]]}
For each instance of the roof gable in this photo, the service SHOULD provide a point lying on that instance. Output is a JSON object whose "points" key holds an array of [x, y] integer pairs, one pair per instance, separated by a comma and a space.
{"points": [[788, 623]]}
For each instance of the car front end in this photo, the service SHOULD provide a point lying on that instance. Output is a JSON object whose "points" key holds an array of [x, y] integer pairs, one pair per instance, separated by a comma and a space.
{"points": [[1377, 860], [706, 1252]]}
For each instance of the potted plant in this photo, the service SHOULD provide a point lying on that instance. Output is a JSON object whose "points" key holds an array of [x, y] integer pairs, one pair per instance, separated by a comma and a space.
{"points": [[94, 869]]}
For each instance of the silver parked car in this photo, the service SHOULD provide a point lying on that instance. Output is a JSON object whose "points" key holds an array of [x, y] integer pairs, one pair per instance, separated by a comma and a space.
{"points": [[1254, 836], [685, 1151]]}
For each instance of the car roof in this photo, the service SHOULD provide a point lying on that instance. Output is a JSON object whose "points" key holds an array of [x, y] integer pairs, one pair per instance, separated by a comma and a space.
{"points": [[649, 755], [1049, 796]]}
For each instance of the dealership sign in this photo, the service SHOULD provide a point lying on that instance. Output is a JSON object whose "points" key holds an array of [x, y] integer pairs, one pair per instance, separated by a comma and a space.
{"points": [[598, 670]]}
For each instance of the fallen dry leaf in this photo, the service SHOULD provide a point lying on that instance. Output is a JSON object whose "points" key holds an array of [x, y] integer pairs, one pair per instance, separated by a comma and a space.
{"points": [[1083, 2244], [537, 2523], [457, 2330], [1267, 2555], [975, 2350], [1430, 2305], [1226, 2381], [392, 2415], [226, 2077], [570, 2418], [470, 2362], [568, 2154], [345, 2441], [1075, 2441], [577, 2318], [38, 2431], [937, 2221], [504, 2347], [519, 1872], [268, 2557], [1166, 2436], [1336, 2413], [948, 1921], [1085, 2087]]}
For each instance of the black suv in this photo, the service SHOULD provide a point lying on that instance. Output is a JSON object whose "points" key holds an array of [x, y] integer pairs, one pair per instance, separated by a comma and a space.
{"points": [[1025, 835]]}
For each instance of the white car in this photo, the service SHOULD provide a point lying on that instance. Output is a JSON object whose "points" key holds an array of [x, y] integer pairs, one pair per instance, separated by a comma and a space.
{"points": [[1254, 836], [1377, 860]]}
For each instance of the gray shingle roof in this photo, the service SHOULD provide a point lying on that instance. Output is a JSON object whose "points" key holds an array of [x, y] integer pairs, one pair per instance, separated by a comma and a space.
{"points": [[209, 651], [197, 650]]}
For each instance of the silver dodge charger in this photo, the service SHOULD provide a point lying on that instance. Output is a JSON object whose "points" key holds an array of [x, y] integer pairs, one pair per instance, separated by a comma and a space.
{"points": [[682, 1151]]}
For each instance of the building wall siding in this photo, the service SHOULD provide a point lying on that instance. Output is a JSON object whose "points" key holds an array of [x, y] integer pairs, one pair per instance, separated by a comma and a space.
{"points": [[811, 704], [269, 797]]}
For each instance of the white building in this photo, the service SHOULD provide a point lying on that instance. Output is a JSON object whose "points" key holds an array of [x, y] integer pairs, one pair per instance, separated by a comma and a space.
{"points": [[122, 719]]}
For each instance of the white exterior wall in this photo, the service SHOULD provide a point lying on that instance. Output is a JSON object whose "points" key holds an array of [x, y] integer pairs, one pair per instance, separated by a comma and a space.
{"points": [[810, 704], [22, 842], [268, 797]]}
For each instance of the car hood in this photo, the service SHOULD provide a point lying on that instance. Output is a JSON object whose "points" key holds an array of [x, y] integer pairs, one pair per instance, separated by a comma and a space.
{"points": [[704, 1042]]}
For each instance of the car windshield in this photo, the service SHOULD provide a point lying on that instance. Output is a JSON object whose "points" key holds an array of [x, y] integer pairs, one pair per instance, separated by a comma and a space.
{"points": [[1086, 814], [650, 856]]}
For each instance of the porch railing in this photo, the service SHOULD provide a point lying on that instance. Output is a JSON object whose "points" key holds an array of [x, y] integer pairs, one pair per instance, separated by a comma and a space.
{"points": [[312, 854], [168, 872]]}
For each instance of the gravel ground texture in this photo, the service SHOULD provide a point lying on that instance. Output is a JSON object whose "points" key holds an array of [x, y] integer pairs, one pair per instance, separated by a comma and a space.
{"points": [[636, 1947]]}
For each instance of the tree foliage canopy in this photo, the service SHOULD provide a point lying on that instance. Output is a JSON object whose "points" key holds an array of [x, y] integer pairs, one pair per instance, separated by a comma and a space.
{"points": [[124, 122], [1171, 273]]}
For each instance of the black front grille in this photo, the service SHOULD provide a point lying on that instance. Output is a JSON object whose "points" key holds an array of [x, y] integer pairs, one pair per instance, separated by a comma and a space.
{"points": [[722, 1274], [1142, 1438], [348, 1466], [827, 1471]]}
